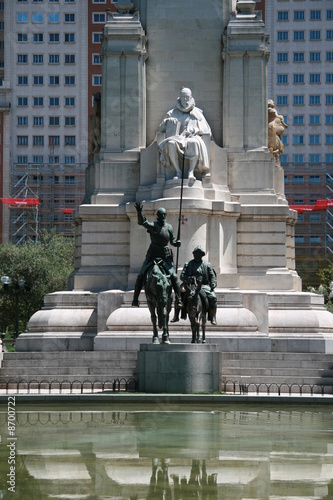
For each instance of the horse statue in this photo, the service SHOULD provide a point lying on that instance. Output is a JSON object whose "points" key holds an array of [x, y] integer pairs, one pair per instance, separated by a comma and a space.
{"points": [[196, 308], [158, 291]]}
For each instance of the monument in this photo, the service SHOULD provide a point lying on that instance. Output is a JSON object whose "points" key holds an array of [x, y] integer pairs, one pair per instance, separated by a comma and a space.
{"points": [[206, 62]]}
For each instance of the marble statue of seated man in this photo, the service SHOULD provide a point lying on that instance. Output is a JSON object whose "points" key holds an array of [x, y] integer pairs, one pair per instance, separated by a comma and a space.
{"points": [[183, 127]]}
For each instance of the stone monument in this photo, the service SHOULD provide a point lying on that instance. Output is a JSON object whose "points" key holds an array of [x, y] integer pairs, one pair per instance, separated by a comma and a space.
{"points": [[233, 191]]}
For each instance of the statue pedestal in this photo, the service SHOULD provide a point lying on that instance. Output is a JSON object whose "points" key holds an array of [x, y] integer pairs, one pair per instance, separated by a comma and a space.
{"points": [[178, 368]]}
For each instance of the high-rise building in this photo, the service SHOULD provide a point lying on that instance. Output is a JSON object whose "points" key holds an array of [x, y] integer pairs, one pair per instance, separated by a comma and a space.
{"points": [[300, 81]]}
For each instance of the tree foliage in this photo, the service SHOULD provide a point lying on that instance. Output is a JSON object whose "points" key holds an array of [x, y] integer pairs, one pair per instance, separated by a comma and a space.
{"points": [[44, 266]]}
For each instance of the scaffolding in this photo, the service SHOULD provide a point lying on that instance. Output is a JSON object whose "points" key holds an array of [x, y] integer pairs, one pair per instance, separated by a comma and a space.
{"points": [[44, 197]]}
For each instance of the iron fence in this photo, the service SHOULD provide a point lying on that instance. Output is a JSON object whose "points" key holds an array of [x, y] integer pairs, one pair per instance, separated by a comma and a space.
{"points": [[242, 387]]}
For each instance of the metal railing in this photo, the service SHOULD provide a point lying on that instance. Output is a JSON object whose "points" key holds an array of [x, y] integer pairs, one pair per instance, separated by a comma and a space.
{"points": [[242, 387], [12, 386]]}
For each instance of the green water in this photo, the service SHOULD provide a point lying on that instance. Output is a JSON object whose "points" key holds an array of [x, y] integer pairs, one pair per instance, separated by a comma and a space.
{"points": [[168, 452]]}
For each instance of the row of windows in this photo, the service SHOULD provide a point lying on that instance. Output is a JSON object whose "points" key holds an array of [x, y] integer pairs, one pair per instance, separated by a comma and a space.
{"points": [[39, 101], [39, 37], [39, 18], [313, 120], [38, 121], [38, 140], [313, 240], [300, 179], [52, 160], [313, 139], [299, 100], [283, 57], [300, 35], [52, 80], [53, 59], [299, 78], [300, 158], [299, 15]]}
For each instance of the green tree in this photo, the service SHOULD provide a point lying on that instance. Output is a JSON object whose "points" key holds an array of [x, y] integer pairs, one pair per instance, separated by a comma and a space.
{"points": [[44, 267]]}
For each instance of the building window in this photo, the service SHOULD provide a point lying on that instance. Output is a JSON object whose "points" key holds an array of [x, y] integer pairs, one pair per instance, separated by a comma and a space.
{"points": [[315, 240], [298, 35], [96, 59], [69, 121], [54, 101], [54, 59], [314, 100], [314, 78], [38, 140], [37, 17], [69, 160], [298, 120], [37, 59], [314, 119], [54, 121], [69, 18], [329, 14], [54, 17], [329, 119], [282, 35], [22, 58], [298, 179], [22, 37], [298, 139], [282, 100], [314, 57], [38, 37], [96, 37], [315, 15], [54, 37], [298, 159], [282, 15], [38, 101], [54, 80], [299, 240], [328, 139], [329, 56], [22, 140], [98, 17], [22, 80], [69, 37], [298, 56], [329, 158], [54, 140], [69, 179], [38, 80], [52, 161], [38, 159], [22, 17], [299, 78], [69, 140], [315, 35], [69, 58], [314, 139], [22, 121], [22, 159], [329, 99], [315, 158], [38, 121], [69, 101], [284, 159], [329, 78], [22, 101], [281, 79], [329, 34], [97, 79], [298, 100], [69, 80], [314, 179], [299, 15]]}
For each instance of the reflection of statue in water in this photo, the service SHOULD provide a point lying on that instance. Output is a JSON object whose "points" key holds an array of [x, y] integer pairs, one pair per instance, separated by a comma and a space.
{"points": [[159, 487], [199, 485], [161, 233], [276, 127], [183, 126], [96, 125]]}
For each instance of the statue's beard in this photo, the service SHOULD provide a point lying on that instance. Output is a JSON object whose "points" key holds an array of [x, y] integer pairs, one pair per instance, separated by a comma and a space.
{"points": [[186, 109]]}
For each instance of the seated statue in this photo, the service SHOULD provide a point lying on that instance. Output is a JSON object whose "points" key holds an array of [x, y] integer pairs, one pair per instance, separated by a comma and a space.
{"points": [[183, 127], [276, 127]]}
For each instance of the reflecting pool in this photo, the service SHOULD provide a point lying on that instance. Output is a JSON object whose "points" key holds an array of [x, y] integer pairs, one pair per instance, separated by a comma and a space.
{"points": [[169, 452]]}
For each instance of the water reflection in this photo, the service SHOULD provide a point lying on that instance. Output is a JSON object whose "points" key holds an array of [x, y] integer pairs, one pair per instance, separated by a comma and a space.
{"points": [[167, 453]]}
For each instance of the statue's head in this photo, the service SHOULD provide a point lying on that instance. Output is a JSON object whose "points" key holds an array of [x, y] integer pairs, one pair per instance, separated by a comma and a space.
{"points": [[186, 98], [198, 252], [161, 215]]}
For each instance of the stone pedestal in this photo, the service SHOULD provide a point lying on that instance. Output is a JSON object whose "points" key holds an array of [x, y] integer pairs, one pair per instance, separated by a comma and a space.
{"points": [[178, 368]]}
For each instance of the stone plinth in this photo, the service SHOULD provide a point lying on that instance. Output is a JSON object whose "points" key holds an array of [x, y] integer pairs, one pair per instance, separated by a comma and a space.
{"points": [[178, 368]]}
